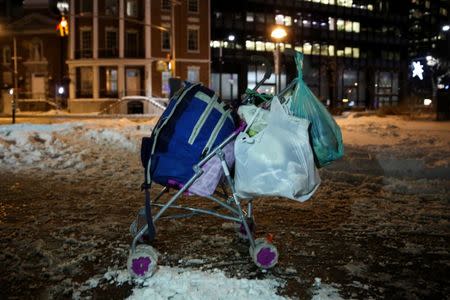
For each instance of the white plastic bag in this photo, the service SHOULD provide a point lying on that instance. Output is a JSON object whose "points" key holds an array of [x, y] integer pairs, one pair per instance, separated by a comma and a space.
{"points": [[278, 161]]}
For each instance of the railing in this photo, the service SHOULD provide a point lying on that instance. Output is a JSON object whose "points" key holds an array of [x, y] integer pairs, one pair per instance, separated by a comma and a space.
{"points": [[155, 105], [84, 53]]}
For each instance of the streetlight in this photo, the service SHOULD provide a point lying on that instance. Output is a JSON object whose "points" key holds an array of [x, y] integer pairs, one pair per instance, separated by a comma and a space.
{"points": [[446, 28], [277, 34]]}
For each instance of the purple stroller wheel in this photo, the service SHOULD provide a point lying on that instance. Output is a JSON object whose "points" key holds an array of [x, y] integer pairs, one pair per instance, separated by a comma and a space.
{"points": [[143, 262], [265, 254]]}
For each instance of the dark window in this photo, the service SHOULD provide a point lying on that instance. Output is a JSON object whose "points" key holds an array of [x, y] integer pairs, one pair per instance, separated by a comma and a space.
{"points": [[165, 40], [193, 6], [110, 7], [86, 6], [86, 43], [192, 39], [165, 4], [132, 44]]}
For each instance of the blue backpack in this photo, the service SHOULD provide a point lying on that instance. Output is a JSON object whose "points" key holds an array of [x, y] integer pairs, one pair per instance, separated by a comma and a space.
{"points": [[194, 122]]}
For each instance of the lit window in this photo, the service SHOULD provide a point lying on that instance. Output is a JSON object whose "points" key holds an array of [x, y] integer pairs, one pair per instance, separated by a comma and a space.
{"points": [[259, 46], [132, 8], [287, 21], [356, 52], [340, 25], [250, 45], [348, 51], [250, 17], [193, 37], [270, 46], [307, 47], [111, 81], [331, 50], [340, 52], [369, 7], [348, 26], [193, 74], [298, 48], [325, 1], [279, 19], [316, 49], [324, 50], [331, 25], [356, 26]]}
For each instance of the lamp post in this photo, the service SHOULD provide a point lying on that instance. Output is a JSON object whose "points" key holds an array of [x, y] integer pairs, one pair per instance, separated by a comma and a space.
{"points": [[278, 34], [15, 91]]}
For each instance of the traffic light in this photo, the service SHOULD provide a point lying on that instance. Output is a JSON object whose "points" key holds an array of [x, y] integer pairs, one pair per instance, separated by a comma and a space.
{"points": [[63, 27]]}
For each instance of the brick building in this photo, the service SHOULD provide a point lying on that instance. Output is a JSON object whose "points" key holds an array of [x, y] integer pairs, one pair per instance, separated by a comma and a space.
{"points": [[40, 64], [123, 48]]}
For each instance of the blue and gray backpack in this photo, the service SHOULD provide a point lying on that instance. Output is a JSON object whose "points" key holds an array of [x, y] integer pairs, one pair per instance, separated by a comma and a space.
{"points": [[194, 122]]}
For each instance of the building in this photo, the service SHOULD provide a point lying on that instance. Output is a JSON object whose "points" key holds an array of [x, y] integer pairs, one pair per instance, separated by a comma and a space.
{"points": [[128, 49], [429, 46], [355, 51], [39, 51]]}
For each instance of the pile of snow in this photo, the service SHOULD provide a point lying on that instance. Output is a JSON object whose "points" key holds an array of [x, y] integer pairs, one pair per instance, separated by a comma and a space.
{"points": [[177, 283], [66, 145]]}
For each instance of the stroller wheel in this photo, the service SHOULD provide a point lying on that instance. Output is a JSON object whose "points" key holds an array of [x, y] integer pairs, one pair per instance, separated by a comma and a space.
{"points": [[242, 233], [143, 262], [265, 254]]}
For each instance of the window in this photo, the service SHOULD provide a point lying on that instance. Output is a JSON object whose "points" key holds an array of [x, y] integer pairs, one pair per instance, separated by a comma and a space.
{"points": [[111, 41], [6, 55], [165, 40], [86, 42], [132, 44], [132, 8], [111, 81], [193, 34], [86, 79], [193, 74], [36, 50], [111, 7], [193, 6], [250, 17], [340, 25], [165, 4], [86, 6]]}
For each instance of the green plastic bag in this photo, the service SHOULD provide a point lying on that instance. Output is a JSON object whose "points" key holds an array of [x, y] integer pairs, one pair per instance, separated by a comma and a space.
{"points": [[325, 134]]}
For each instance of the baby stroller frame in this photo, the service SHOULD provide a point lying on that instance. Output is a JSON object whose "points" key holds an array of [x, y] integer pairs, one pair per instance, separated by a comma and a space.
{"points": [[142, 260]]}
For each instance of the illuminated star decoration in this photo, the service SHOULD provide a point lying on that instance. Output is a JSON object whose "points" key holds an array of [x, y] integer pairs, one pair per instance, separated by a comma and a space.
{"points": [[418, 70]]}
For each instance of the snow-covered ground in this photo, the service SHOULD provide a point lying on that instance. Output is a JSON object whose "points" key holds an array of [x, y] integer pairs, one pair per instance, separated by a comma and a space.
{"points": [[411, 157]]}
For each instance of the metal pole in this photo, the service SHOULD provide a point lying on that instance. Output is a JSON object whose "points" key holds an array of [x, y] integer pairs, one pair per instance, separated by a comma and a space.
{"points": [[15, 81], [172, 34]]}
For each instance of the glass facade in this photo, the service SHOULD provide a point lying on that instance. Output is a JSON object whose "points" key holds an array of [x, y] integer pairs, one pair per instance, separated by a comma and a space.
{"points": [[347, 45]]}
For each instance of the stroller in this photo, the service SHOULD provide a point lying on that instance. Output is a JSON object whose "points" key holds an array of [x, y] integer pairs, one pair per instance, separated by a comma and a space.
{"points": [[142, 260]]}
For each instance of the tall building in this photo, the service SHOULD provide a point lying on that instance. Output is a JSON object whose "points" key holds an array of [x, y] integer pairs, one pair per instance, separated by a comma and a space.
{"points": [[355, 51], [130, 48], [31, 53], [429, 46]]}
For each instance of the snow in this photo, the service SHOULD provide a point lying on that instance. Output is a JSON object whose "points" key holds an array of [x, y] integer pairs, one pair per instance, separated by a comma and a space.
{"points": [[412, 156]]}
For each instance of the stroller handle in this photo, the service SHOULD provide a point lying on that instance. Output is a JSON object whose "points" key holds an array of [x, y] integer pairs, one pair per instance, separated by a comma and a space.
{"points": [[269, 70]]}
